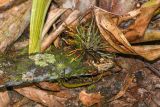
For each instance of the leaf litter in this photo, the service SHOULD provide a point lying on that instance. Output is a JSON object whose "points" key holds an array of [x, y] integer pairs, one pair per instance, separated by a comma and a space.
{"points": [[124, 30]]}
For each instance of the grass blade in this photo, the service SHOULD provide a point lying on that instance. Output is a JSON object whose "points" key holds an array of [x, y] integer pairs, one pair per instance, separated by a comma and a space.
{"points": [[39, 10]]}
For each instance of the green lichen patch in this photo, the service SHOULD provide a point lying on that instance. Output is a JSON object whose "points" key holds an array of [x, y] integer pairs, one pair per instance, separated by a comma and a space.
{"points": [[43, 60]]}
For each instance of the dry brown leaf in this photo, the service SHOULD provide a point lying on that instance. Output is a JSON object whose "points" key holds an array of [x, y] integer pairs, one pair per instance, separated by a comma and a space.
{"points": [[141, 19], [4, 99], [42, 97], [110, 30], [53, 15], [112, 34], [150, 35], [49, 86], [5, 4], [136, 31], [12, 24], [90, 99], [71, 19], [2, 2]]}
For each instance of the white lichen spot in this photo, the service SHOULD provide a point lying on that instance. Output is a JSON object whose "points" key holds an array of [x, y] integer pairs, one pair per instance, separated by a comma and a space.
{"points": [[28, 76]]}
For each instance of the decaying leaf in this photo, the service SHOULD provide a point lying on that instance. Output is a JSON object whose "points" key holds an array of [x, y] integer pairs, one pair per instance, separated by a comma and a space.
{"points": [[90, 99], [5, 4], [71, 19], [12, 24], [150, 35], [53, 15], [118, 40], [4, 99], [109, 23], [136, 31], [42, 97]]}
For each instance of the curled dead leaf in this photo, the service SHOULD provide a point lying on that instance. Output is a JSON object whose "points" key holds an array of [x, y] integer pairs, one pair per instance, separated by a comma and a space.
{"points": [[90, 99], [119, 41]]}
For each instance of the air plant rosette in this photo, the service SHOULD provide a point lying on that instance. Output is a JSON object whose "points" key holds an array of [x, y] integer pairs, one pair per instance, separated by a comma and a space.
{"points": [[86, 42]]}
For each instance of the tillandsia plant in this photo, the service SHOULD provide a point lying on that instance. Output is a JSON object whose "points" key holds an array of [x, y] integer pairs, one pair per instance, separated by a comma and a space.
{"points": [[87, 42], [39, 10]]}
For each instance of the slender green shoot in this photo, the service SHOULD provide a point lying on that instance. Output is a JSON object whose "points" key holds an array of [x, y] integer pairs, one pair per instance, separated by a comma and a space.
{"points": [[39, 11]]}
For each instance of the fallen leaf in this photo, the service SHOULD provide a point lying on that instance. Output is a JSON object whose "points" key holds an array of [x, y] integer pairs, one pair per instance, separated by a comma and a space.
{"points": [[118, 40], [4, 99], [90, 99], [42, 97], [53, 15], [71, 19], [12, 24], [6, 4], [2, 2]]}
